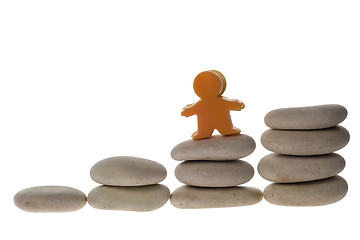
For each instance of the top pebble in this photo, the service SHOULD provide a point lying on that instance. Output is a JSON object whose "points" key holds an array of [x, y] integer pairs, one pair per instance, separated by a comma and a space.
{"points": [[128, 171], [217, 148], [306, 118]]}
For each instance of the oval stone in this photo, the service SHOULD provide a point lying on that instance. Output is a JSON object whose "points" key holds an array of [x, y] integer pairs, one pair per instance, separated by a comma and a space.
{"points": [[215, 148], [139, 199], [50, 199], [214, 173], [127, 171], [314, 193], [305, 142], [314, 117], [188, 197], [287, 169]]}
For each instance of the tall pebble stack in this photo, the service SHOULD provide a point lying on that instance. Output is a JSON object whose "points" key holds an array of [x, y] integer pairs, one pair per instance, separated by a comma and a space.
{"points": [[129, 184], [211, 171], [303, 165]]}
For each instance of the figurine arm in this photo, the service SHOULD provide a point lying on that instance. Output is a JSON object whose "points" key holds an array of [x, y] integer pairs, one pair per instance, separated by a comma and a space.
{"points": [[234, 104], [189, 110]]}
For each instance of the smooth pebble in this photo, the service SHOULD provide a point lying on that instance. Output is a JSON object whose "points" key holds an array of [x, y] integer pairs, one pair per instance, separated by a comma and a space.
{"points": [[305, 142], [214, 173], [286, 169], [314, 193], [188, 197], [50, 199], [215, 148], [128, 171], [313, 117], [139, 199]]}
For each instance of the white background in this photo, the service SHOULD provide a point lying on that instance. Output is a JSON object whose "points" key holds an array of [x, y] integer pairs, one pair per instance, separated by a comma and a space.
{"points": [[81, 81]]}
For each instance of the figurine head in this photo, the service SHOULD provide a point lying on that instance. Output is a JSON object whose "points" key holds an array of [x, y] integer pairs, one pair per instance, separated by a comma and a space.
{"points": [[209, 84]]}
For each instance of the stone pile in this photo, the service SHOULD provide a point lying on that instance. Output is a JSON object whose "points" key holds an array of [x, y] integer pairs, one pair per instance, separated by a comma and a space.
{"points": [[211, 171], [304, 166], [128, 183]]}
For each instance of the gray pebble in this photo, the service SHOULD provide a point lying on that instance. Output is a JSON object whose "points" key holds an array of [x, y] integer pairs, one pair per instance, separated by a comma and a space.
{"points": [[188, 197], [214, 173], [128, 171], [215, 148], [50, 199], [139, 199], [314, 117], [314, 193], [287, 169], [305, 142]]}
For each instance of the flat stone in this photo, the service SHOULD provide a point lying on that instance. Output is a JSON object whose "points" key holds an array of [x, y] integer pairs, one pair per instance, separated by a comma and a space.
{"points": [[128, 171], [215, 148], [214, 173], [188, 197], [305, 142], [139, 199], [287, 169], [314, 117], [50, 199], [314, 193]]}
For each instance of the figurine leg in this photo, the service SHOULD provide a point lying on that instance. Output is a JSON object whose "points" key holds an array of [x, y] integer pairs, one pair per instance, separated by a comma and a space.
{"points": [[202, 133], [229, 130]]}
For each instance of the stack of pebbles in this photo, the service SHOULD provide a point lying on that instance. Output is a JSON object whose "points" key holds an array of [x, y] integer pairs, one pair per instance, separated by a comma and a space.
{"points": [[303, 166], [211, 171], [129, 183]]}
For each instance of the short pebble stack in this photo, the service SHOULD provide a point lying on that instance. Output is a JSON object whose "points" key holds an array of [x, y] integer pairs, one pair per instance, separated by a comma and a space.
{"points": [[129, 184], [304, 166], [211, 171]]}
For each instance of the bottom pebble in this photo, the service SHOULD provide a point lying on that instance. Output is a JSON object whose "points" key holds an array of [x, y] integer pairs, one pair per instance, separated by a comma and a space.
{"points": [[188, 197], [139, 199], [50, 199], [314, 193]]}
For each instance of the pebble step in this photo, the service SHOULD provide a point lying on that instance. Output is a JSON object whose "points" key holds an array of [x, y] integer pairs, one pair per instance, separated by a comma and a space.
{"points": [[50, 199], [303, 165]]}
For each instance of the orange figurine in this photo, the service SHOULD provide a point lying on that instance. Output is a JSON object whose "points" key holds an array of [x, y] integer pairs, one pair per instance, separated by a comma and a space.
{"points": [[212, 109]]}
